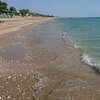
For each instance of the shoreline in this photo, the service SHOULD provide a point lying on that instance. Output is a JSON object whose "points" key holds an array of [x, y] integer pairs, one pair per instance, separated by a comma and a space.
{"points": [[48, 69], [85, 59]]}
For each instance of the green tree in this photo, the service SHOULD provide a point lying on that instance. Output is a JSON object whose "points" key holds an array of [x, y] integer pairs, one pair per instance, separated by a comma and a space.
{"points": [[24, 12], [3, 5], [12, 9]]}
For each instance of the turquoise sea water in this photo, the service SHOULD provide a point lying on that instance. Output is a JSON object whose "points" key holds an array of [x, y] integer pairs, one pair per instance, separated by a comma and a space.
{"points": [[85, 34]]}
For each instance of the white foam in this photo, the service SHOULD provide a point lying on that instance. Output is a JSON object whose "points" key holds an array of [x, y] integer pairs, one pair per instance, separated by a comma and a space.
{"points": [[88, 60], [64, 35], [76, 46], [66, 38], [85, 58]]}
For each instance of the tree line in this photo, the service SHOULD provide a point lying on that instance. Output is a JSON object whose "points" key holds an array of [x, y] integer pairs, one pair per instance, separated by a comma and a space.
{"points": [[22, 12]]}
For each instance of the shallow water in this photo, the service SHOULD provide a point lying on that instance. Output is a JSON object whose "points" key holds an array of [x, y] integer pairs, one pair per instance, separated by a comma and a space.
{"points": [[14, 52], [45, 36]]}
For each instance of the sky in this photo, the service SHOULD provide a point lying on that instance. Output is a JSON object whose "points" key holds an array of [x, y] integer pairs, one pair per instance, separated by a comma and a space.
{"points": [[61, 8]]}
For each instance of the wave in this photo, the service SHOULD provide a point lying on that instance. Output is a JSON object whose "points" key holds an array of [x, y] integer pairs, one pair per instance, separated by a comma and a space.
{"points": [[76, 46], [67, 39], [85, 58], [88, 60]]}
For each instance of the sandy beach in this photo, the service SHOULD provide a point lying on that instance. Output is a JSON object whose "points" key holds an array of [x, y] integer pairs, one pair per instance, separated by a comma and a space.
{"points": [[36, 64]]}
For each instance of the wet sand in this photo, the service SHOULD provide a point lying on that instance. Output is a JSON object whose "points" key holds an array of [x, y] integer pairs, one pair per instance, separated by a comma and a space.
{"points": [[36, 64]]}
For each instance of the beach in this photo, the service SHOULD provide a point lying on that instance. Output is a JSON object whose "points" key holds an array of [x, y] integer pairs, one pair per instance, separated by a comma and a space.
{"points": [[37, 64]]}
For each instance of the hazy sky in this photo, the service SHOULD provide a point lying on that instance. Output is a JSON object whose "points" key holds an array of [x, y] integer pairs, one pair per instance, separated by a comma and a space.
{"points": [[63, 8]]}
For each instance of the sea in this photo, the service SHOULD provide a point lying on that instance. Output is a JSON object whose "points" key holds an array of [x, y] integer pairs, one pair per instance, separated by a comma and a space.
{"points": [[85, 35]]}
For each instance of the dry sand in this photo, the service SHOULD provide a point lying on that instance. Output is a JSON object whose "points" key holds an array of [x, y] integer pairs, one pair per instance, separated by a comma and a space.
{"points": [[36, 64]]}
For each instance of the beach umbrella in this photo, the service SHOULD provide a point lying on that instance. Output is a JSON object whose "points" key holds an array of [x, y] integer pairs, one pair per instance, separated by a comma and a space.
{"points": [[7, 11]]}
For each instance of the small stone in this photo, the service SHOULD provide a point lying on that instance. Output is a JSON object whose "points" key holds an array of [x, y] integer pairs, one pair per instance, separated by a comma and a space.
{"points": [[28, 73], [19, 90], [17, 85], [6, 82], [9, 77], [20, 75], [9, 97]]}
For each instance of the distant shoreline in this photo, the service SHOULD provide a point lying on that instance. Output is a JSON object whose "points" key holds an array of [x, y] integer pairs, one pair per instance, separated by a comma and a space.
{"points": [[78, 17]]}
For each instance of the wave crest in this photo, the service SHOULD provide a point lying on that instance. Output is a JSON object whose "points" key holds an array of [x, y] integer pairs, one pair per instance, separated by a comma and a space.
{"points": [[88, 60]]}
